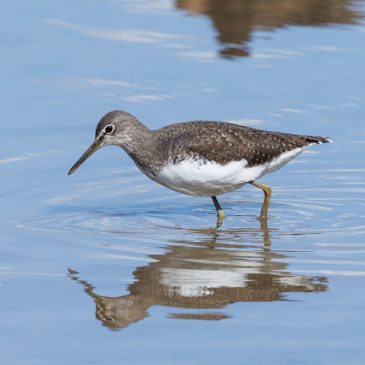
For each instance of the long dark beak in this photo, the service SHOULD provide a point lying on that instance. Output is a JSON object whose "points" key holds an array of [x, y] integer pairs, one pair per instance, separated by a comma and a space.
{"points": [[93, 148]]}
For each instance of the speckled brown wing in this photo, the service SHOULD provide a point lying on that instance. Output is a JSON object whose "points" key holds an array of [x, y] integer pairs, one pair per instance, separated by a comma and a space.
{"points": [[224, 142]]}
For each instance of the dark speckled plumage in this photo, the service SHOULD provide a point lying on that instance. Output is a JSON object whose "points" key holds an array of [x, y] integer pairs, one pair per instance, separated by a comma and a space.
{"points": [[220, 142], [225, 142]]}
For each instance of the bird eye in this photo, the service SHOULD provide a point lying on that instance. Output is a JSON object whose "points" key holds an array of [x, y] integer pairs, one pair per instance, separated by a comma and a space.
{"points": [[108, 129]]}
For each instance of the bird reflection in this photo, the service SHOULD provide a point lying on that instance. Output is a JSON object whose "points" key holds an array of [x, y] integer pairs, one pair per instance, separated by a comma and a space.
{"points": [[206, 273], [235, 20]]}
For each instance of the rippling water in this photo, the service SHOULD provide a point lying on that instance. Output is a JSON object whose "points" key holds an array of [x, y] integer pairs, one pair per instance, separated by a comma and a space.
{"points": [[108, 267]]}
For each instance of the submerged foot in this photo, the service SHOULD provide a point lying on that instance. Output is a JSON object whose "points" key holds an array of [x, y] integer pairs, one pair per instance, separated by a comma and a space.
{"points": [[220, 218]]}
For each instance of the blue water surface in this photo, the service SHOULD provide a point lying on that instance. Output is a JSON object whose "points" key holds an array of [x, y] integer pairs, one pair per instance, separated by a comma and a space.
{"points": [[105, 266]]}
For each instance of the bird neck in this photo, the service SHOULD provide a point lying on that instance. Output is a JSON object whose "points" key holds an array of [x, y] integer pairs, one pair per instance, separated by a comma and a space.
{"points": [[140, 146], [134, 137]]}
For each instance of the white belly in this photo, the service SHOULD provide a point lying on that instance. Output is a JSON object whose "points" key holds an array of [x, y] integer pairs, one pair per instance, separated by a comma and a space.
{"points": [[210, 178]]}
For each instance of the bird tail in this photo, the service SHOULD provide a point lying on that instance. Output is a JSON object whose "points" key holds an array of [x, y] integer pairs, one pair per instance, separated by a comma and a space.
{"points": [[318, 139]]}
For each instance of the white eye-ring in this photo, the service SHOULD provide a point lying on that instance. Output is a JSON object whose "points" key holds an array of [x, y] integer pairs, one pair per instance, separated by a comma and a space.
{"points": [[109, 129]]}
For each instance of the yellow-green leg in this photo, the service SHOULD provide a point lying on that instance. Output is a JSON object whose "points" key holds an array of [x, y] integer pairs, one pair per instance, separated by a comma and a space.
{"points": [[220, 213], [267, 190]]}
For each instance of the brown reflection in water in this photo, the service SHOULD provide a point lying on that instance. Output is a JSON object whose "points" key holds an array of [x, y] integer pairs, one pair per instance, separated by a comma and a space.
{"points": [[208, 274], [235, 20]]}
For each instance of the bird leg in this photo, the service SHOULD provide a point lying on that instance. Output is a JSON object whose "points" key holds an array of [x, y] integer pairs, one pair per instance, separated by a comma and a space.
{"points": [[267, 190], [220, 213]]}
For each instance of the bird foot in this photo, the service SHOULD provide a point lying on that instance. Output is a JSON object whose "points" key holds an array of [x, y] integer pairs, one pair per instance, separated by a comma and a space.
{"points": [[220, 218]]}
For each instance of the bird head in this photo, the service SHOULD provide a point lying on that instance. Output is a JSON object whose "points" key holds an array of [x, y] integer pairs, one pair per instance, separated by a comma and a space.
{"points": [[114, 128]]}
